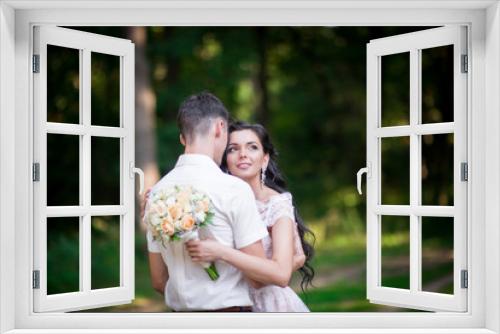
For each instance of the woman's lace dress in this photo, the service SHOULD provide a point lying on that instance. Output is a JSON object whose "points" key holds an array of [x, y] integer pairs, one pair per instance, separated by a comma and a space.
{"points": [[272, 298]]}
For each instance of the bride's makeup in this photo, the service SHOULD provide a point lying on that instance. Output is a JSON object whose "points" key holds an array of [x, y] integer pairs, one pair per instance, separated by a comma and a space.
{"points": [[245, 155]]}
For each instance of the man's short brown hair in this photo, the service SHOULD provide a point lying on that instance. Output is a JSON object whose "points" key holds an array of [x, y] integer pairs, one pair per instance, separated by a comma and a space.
{"points": [[197, 112]]}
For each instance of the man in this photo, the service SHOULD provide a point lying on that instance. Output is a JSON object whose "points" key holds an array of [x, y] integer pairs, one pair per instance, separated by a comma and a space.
{"points": [[203, 123]]}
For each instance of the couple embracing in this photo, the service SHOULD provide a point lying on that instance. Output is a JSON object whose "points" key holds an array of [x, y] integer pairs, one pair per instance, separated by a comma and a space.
{"points": [[255, 237]]}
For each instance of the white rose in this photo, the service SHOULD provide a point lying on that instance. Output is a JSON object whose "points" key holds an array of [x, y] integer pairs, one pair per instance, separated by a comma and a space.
{"points": [[200, 216], [159, 208], [160, 195], [178, 225], [170, 200], [155, 220]]}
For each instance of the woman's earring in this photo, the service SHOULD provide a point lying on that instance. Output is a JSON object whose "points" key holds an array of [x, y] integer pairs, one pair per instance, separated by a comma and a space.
{"points": [[263, 176]]}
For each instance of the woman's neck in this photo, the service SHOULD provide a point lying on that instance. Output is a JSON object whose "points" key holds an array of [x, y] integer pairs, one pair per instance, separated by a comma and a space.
{"points": [[260, 191]]}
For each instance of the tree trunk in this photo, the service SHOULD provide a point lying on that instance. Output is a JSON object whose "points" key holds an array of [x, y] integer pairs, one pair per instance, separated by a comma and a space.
{"points": [[260, 80], [145, 112]]}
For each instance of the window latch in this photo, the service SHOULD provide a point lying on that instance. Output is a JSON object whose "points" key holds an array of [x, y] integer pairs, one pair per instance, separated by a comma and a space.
{"points": [[139, 171], [360, 173]]}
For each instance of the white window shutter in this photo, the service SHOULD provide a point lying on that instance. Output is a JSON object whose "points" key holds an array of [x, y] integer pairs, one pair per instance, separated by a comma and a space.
{"points": [[85, 297], [414, 297]]}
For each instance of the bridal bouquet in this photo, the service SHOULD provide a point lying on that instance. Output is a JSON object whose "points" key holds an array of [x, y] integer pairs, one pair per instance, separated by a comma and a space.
{"points": [[177, 213]]}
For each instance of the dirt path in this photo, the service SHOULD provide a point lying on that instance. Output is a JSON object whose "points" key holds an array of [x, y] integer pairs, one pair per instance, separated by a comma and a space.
{"points": [[357, 273], [352, 273]]}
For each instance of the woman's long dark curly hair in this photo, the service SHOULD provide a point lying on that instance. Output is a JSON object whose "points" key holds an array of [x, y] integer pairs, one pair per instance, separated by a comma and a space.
{"points": [[274, 179]]}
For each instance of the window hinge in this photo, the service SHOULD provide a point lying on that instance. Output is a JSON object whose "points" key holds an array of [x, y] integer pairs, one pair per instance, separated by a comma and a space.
{"points": [[36, 171], [464, 171], [36, 279], [464, 279], [465, 64], [36, 63]]}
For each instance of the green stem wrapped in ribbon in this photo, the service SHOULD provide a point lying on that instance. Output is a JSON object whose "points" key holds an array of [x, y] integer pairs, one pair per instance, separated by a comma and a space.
{"points": [[209, 267], [212, 272]]}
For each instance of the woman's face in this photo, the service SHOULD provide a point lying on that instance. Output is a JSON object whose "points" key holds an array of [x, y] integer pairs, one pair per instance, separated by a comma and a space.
{"points": [[245, 155]]}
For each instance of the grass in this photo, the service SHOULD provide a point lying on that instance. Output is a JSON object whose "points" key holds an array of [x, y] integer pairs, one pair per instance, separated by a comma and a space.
{"points": [[341, 297], [333, 292]]}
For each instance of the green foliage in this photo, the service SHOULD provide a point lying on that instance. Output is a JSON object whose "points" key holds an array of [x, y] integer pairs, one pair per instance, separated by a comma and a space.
{"points": [[307, 85], [168, 145], [62, 255], [315, 108], [105, 249]]}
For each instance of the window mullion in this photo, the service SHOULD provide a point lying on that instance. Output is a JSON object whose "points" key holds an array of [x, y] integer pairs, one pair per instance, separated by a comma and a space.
{"points": [[419, 129], [123, 176], [127, 149], [85, 161], [377, 194], [415, 229]]}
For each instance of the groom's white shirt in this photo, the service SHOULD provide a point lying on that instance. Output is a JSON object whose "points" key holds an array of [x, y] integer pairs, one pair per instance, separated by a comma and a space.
{"points": [[236, 223]]}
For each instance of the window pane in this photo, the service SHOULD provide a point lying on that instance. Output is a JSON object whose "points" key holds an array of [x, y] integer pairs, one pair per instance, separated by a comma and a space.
{"points": [[63, 255], [105, 90], [63, 82], [437, 254], [437, 84], [395, 251], [105, 252], [395, 89], [105, 171], [63, 169], [395, 173], [437, 169]]}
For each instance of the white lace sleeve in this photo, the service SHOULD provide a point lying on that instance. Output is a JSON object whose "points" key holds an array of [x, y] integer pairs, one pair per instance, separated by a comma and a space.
{"points": [[281, 208]]}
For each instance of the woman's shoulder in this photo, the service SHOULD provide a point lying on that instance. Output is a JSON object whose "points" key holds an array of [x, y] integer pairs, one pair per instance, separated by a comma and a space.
{"points": [[274, 197], [279, 197], [280, 205]]}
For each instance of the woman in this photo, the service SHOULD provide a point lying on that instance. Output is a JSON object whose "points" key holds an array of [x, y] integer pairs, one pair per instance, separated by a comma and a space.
{"points": [[250, 156]]}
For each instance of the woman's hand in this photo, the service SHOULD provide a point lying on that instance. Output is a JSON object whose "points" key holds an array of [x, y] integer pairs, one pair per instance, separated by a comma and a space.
{"points": [[298, 261], [207, 250], [299, 258], [144, 201]]}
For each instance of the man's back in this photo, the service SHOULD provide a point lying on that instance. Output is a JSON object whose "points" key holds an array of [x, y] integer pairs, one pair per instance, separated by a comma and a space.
{"points": [[236, 223]]}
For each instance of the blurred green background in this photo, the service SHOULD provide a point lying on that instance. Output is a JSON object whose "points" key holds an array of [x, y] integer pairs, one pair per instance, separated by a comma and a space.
{"points": [[307, 85]]}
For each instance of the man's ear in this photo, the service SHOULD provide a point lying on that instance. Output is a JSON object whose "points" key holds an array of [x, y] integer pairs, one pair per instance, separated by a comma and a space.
{"points": [[219, 128], [182, 140]]}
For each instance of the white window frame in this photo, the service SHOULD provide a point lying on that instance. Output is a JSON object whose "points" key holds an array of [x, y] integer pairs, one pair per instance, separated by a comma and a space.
{"points": [[16, 20], [86, 44], [414, 44]]}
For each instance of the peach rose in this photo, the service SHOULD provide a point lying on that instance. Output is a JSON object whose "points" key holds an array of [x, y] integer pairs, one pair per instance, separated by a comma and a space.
{"points": [[183, 197], [203, 205], [187, 222], [175, 211], [167, 226], [169, 219]]}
